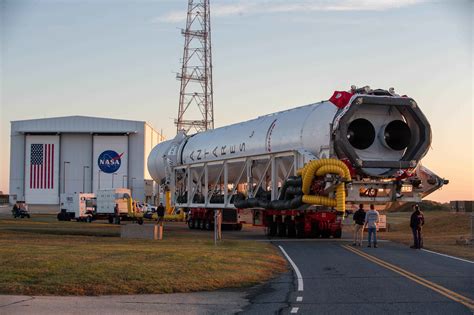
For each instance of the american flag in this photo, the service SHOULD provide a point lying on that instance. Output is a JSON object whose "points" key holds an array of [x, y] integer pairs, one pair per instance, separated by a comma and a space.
{"points": [[42, 166]]}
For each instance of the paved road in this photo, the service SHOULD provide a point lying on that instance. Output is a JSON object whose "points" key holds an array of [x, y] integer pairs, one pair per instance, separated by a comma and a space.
{"points": [[393, 279]]}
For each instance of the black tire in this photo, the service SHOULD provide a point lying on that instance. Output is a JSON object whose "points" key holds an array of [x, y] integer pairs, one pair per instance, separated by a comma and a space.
{"points": [[203, 224], [191, 224], [140, 221], [28, 216], [282, 229], [89, 219], [272, 229], [111, 219], [291, 229], [209, 225], [337, 234], [300, 230], [325, 234], [315, 231]]}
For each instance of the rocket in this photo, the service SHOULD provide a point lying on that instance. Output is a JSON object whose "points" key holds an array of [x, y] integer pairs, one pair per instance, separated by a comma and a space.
{"points": [[380, 136]]}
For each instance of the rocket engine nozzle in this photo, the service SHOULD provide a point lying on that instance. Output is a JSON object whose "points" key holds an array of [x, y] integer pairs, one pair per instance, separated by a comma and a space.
{"points": [[382, 134], [396, 135]]}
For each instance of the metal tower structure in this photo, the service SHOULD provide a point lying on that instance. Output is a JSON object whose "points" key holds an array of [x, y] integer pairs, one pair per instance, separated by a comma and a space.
{"points": [[196, 112]]}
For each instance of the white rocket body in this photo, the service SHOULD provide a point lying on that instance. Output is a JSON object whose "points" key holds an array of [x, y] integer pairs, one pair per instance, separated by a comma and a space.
{"points": [[310, 128]]}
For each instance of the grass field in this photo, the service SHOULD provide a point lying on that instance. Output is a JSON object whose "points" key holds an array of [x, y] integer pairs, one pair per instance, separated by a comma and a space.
{"points": [[42, 257], [440, 232]]}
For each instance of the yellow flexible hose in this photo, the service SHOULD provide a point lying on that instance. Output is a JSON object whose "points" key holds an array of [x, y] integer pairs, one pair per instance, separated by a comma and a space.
{"points": [[321, 168]]}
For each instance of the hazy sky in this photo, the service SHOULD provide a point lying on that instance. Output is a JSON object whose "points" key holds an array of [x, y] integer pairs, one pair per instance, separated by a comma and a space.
{"points": [[117, 59]]}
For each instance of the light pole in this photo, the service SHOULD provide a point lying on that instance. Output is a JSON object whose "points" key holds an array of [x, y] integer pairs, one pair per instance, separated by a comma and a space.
{"points": [[84, 178], [98, 182], [113, 174], [123, 181], [64, 177]]}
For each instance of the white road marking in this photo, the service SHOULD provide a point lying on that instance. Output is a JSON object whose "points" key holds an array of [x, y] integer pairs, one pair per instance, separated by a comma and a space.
{"points": [[294, 310], [299, 299], [298, 273], [457, 258]]}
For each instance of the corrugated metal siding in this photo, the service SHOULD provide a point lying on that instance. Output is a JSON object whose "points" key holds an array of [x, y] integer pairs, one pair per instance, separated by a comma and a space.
{"points": [[77, 124]]}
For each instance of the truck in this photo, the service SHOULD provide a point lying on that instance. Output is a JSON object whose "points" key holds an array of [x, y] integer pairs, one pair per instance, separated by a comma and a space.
{"points": [[109, 199], [77, 206], [297, 170]]}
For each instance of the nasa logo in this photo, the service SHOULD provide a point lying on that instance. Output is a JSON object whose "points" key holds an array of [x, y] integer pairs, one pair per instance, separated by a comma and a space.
{"points": [[109, 161]]}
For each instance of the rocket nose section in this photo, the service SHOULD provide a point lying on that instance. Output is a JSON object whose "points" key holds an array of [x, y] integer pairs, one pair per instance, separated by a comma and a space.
{"points": [[156, 162]]}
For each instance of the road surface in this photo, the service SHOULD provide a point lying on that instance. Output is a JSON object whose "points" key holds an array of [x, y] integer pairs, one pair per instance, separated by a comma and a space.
{"points": [[332, 277]]}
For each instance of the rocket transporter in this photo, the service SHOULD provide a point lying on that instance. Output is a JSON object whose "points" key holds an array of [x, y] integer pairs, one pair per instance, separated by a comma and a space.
{"points": [[297, 170]]}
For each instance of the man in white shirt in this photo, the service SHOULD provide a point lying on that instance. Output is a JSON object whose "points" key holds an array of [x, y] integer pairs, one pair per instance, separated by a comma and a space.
{"points": [[371, 220]]}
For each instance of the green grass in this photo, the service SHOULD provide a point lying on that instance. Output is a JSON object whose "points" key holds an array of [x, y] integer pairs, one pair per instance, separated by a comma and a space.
{"points": [[45, 257], [440, 232]]}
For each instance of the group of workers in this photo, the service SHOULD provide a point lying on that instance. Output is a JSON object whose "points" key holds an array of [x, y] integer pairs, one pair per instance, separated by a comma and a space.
{"points": [[371, 218]]}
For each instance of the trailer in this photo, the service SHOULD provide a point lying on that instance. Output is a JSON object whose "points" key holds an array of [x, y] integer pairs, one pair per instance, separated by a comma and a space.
{"points": [[77, 206], [116, 205], [297, 170]]}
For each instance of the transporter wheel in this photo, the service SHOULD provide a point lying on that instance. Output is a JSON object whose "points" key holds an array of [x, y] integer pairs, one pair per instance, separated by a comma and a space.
{"points": [[291, 229], [28, 216], [272, 229], [140, 221], [282, 229], [191, 224], [300, 230], [337, 234]]}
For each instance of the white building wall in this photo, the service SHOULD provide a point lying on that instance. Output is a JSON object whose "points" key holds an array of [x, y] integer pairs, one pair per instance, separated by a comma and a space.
{"points": [[136, 165], [76, 147], [17, 167], [108, 170], [76, 150], [41, 175]]}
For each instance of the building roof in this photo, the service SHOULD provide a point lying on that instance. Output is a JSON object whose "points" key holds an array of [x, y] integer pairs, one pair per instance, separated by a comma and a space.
{"points": [[76, 124]]}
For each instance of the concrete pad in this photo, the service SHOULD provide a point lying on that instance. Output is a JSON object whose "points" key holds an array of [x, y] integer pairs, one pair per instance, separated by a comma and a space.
{"points": [[220, 302], [144, 231]]}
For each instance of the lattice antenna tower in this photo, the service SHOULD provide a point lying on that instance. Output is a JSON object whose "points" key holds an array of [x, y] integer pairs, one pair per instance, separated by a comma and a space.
{"points": [[196, 111]]}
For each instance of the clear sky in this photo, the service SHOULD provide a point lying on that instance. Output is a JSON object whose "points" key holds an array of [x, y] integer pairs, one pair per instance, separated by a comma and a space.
{"points": [[118, 59]]}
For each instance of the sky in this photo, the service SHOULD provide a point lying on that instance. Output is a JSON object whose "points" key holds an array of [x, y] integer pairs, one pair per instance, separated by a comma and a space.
{"points": [[119, 59]]}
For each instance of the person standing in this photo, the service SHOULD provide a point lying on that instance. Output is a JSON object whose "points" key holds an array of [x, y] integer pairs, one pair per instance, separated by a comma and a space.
{"points": [[371, 220], [417, 220], [359, 221], [160, 211]]}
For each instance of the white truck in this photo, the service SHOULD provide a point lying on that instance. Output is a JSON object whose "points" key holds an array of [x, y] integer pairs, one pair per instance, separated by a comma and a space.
{"points": [[107, 199], [78, 206]]}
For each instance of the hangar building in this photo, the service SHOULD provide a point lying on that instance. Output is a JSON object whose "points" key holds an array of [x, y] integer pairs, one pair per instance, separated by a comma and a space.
{"points": [[72, 154]]}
